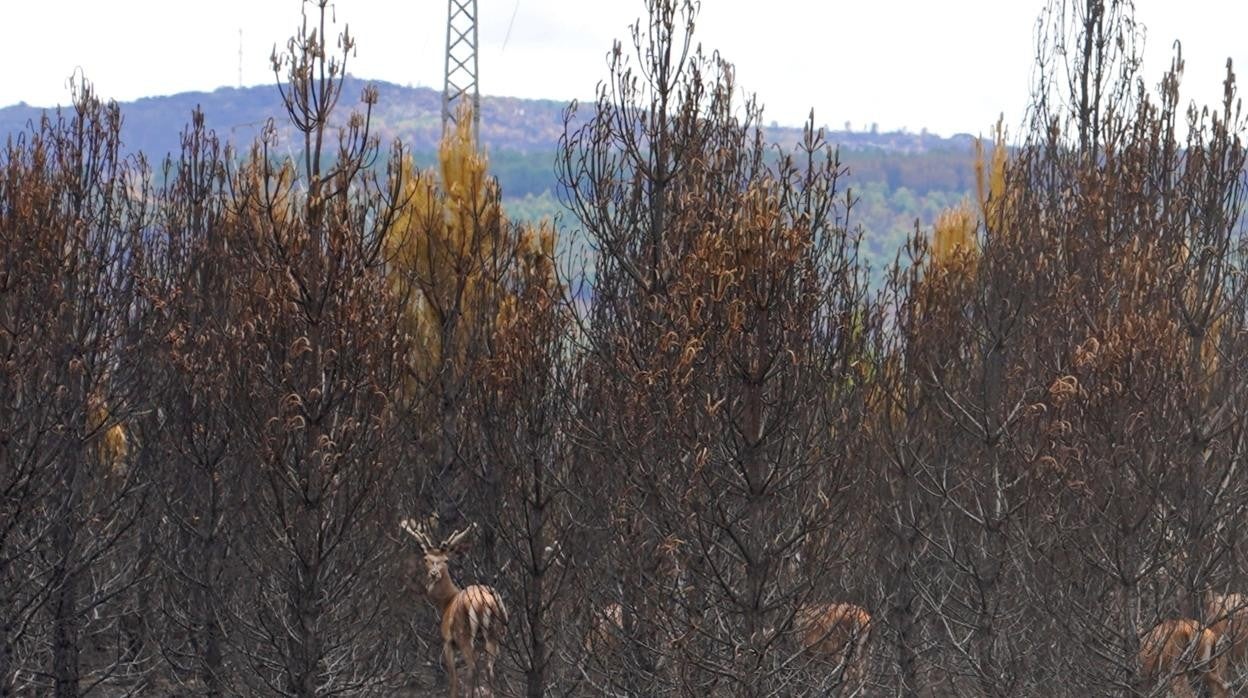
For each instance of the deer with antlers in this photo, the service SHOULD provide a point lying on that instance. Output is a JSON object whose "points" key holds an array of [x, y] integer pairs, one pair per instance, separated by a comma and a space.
{"points": [[474, 619], [1183, 652]]}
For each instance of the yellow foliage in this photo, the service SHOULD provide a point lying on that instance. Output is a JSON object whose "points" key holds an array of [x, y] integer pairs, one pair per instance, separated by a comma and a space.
{"points": [[537, 249], [535, 254], [953, 245], [114, 445], [445, 241], [454, 256], [990, 181], [953, 237]]}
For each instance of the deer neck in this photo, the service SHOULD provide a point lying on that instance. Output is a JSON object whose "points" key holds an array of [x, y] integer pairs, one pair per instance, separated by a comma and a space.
{"points": [[442, 592]]}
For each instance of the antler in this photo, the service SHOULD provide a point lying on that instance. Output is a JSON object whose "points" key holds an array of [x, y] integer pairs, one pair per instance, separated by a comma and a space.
{"points": [[457, 538], [418, 531]]}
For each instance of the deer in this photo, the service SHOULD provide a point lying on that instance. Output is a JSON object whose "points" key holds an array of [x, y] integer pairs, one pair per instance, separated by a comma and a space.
{"points": [[1227, 615], [836, 634], [1183, 651], [605, 638], [604, 627], [473, 619]]}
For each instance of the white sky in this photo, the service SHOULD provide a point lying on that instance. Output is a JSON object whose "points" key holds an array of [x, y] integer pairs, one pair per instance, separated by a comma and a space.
{"points": [[947, 65]]}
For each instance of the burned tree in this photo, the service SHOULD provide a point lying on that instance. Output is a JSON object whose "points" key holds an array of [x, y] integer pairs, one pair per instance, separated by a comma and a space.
{"points": [[314, 384], [74, 327], [198, 475], [723, 392]]}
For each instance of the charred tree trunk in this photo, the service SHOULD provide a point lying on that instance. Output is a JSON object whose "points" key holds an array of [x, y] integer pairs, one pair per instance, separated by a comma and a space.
{"points": [[64, 607]]}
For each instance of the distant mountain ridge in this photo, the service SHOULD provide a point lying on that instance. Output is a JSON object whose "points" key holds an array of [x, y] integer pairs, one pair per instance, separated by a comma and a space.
{"points": [[152, 124]]}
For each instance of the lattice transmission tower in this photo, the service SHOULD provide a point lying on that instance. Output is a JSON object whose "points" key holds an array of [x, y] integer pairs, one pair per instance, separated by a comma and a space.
{"points": [[461, 64]]}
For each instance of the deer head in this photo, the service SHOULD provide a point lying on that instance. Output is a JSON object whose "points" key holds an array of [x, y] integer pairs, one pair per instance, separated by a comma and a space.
{"points": [[436, 557]]}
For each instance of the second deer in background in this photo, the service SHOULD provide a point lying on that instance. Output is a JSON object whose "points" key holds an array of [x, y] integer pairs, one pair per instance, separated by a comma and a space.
{"points": [[1180, 652], [836, 635], [1227, 616]]}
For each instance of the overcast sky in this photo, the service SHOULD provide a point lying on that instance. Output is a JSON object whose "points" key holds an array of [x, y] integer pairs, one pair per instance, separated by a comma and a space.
{"points": [[946, 65]]}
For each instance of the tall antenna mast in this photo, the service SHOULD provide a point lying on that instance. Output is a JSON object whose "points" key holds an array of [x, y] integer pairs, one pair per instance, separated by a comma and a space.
{"points": [[461, 64], [240, 58]]}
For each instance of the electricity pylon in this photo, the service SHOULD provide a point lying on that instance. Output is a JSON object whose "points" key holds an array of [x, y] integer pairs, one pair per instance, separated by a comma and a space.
{"points": [[461, 64]]}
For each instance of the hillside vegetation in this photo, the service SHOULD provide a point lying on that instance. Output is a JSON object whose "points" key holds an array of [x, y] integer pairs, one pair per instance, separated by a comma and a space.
{"points": [[899, 178], [309, 416]]}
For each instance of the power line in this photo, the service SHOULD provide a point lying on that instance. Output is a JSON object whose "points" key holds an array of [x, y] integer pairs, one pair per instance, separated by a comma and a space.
{"points": [[510, 22]]}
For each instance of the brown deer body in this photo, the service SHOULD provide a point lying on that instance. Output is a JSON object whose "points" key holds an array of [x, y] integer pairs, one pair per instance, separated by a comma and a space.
{"points": [[1181, 652], [474, 619], [1227, 615], [836, 635]]}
